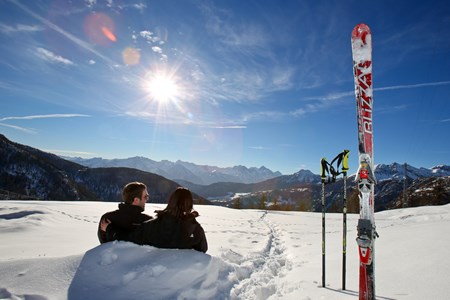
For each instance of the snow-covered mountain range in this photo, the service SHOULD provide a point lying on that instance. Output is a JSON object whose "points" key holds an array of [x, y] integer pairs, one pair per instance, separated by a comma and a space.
{"points": [[28, 173], [184, 171], [205, 175], [397, 171]]}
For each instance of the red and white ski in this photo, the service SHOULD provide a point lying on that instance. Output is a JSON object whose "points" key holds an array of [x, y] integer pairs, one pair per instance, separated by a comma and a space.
{"points": [[362, 68]]}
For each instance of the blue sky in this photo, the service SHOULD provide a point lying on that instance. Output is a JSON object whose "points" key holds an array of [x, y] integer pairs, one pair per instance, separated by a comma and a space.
{"points": [[224, 83]]}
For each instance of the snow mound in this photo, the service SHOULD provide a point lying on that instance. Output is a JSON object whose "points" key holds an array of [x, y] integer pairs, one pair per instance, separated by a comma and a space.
{"points": [[123, 270]]}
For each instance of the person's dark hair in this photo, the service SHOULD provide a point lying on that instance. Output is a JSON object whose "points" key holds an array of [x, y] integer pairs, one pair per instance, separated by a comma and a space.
{"points": [[180, 203], [132, 190]]}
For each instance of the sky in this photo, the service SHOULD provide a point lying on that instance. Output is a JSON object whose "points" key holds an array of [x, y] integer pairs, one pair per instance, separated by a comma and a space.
{"points": [[52, 252], [224, 83]]}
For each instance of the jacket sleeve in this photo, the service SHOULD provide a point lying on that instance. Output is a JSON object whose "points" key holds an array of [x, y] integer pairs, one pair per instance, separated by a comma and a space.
{"points": [[142, 235], [200, 242], [101, 235], [113, 233]]}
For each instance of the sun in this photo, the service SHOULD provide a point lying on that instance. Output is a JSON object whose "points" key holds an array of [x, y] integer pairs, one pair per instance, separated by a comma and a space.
{"points": [[162, 88]]}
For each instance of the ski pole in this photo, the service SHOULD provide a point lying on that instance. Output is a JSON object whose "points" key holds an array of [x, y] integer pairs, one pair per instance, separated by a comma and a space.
{"points": [[342, 158], [344, 212], [324, 169]]}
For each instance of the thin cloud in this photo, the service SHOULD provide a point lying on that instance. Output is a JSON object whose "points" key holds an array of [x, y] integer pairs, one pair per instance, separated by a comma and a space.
{"points": [[264, 115], [157, 49], [149, 36], [91, 3], [332, 96], [328, 100], [248, 66], [229, 127], [258, 148], [27, 130], [335, 96], [279, 115], [241, 36], [176, 117], [392, 109], [71, 153], [69, 36], [52, 57], [140, 6], [412, 86], [20, 28], [43, 117]]}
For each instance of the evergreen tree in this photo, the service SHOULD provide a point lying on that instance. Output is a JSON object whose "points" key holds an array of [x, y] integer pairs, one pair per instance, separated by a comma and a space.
{"points": [[262, 201], [237, 203]]}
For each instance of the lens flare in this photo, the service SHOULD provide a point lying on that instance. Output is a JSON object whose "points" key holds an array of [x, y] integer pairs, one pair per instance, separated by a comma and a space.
{"points": [[131, 56], [109, 34], [99, 28]]}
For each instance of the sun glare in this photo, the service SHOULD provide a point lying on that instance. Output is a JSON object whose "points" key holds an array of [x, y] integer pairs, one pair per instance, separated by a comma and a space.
{"points": [[162, 88]]}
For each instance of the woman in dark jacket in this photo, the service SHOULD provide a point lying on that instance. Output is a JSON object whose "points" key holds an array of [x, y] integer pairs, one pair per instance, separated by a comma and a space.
{"points": [[175, 227]]}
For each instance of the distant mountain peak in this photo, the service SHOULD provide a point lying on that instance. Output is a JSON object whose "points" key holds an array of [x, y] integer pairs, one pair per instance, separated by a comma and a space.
{"points": [[397, 171], [186, 171]]}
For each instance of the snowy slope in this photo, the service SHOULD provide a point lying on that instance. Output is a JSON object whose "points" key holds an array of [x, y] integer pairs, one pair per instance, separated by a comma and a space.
{"points": [[49, 250]]}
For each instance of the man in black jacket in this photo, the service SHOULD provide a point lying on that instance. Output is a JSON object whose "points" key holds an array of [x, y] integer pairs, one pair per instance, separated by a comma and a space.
{"points": [[130, 213]]}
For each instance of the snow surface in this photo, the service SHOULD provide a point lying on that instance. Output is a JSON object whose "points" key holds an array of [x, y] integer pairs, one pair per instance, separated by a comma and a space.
{"points": [[49, 250]]}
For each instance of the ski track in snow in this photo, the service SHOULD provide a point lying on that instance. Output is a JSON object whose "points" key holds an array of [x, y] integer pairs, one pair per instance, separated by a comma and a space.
{"points": [[78, 217], [258, 272], [18, 213]]}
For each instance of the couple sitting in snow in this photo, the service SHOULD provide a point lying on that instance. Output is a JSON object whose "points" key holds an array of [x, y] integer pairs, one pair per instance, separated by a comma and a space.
{"points": [[174, 227]]}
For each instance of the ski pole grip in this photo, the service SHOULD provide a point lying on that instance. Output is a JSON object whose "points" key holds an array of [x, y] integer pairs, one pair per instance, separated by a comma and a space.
{"points": [[345, 161], [323, 169]]}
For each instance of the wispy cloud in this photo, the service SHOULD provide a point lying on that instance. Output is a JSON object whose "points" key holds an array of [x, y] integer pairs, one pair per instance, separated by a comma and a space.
{"points": [[335, 96], [264, 115], [68, 35], [52, 57], [43, 117], [329, 100], [91, 3], [283, 115], [392, 109], [245, 64], [31, 130], [174, 117], [412, 86], [332, 96], [258, 148], [20, 28], [23, 129], [82, 154], [238, 35], [140, 6], [228, 127]]}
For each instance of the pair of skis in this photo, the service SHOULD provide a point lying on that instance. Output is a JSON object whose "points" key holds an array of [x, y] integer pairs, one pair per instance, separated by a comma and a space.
{"points": [[328, 175], [362, 69]]}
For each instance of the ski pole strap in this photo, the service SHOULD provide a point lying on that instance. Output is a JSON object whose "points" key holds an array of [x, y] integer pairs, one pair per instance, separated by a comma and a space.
{"points": [[341, 158], [327, 172], [324, 171]]}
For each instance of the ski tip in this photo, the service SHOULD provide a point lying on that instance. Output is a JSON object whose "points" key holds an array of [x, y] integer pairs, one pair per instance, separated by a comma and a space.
{"points": [[360, 32]]}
